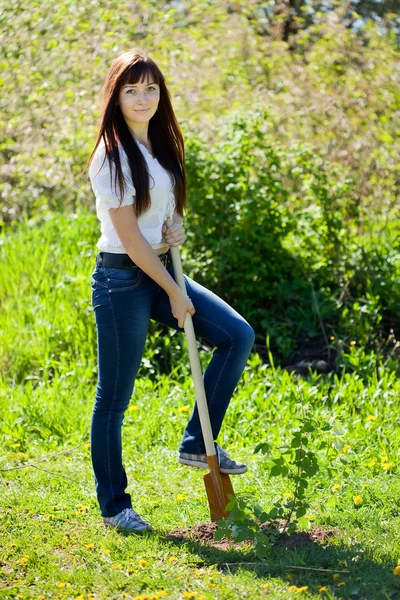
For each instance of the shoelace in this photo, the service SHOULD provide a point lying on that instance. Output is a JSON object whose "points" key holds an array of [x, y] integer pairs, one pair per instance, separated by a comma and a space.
{"points": [[222, 453], [128, 515]]}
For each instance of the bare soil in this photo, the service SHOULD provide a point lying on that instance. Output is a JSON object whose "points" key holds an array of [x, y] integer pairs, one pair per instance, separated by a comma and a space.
{"points": [[204, 533]]}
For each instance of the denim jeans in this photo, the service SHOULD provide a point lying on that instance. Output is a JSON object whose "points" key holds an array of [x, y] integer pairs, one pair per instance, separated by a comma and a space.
{"points": [[123, 302]]}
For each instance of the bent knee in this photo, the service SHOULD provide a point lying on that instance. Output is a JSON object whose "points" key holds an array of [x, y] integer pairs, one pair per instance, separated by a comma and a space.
{"points": [[246, 334]]}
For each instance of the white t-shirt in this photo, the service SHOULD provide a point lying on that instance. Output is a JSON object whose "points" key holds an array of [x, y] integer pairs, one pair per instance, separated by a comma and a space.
{"points": [[161, 194]]}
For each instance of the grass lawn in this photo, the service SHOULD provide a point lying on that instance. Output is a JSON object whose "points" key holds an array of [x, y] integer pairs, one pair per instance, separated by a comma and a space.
{"points": [[54, 545], [52, 540]]}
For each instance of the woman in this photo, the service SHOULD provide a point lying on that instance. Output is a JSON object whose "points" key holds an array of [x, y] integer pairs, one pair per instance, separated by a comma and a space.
{"points": [[140, 147]]}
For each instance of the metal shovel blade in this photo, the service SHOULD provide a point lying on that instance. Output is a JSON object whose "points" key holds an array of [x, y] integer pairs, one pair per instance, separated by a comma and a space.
{"points": [[218, 485]]}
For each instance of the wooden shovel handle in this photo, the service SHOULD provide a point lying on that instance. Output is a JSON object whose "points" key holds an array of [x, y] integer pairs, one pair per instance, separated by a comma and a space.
{"points": [[193, 356]]}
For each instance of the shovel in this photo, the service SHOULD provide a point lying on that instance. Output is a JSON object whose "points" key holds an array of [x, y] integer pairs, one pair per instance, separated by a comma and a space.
{"points": [[218, 485]]}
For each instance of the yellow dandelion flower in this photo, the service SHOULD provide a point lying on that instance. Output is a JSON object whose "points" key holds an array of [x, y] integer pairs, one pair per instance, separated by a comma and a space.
{"points": [[117, 567], [289, 577], [81, 597], [189, 595], [182, 409], [181, 498], [161, 593], [323, 588], [198, 572], [337, 487], [340, 584], [142, 562], [172, 559], [387, 466], [342, 563], [24, 559], [140, 460], [61, 585], [304, 588], [202, 597], [365, 485], [346, 448], [133, 407], [15, 445], [336, 576], [371, 418], [396, 570], [357, 500], [89, 546], [310, 517], [41, 597], [292, 588], [105, 551], [87, 445], [353, 343], [332, 337], [372, 463]]}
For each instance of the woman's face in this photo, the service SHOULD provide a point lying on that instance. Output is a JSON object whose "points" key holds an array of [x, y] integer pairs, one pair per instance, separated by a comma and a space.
{"points": [[139, 101]]}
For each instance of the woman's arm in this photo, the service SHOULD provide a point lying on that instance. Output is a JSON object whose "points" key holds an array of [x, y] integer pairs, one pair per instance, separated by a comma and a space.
{"points": [[176, 218]]}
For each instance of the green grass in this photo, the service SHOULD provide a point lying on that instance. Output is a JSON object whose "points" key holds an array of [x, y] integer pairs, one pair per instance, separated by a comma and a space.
{"points": [[51, 532], [50, 514]]}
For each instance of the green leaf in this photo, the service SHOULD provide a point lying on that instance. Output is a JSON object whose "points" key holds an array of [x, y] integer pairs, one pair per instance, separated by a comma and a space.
{"points": [[301, 511], [220, 533], [303, 522], [338, 443], [242, 533], [331, 502], [276, 470], [326, 427], [308, 426], [263, 447]]}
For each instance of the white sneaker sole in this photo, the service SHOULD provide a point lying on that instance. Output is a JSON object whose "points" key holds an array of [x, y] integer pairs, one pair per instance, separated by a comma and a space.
{"points": [[125, 530], [202, 465]]}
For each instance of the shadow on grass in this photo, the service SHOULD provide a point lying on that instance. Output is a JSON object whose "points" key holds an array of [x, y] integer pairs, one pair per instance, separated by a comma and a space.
{"points": [[316, 558]]}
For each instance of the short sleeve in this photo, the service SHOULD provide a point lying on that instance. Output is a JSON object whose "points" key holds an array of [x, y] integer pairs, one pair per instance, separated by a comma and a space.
{"points": [[103, 185]]}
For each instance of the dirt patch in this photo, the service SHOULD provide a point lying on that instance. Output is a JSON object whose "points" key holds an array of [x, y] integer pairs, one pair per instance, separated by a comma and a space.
{"points": [[297, 539], [204, 533]]}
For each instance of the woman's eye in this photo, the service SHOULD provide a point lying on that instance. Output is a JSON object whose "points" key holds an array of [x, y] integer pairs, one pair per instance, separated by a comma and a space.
{"points": [[150, 88]]}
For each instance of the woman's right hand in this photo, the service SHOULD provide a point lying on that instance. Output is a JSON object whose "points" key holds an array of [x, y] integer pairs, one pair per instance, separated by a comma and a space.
{"points": [[180, 305]]}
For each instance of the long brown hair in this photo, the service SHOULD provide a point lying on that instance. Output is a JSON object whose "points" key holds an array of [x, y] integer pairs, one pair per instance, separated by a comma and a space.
{"points": [[164, 132]]}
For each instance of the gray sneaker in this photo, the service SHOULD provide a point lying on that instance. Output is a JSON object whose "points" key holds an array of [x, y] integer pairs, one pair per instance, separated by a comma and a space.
{"points": [[226, 464], [128, 521]]}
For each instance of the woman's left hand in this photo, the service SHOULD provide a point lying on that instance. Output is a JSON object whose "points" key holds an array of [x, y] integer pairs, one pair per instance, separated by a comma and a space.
{"points": [[173, 235]]}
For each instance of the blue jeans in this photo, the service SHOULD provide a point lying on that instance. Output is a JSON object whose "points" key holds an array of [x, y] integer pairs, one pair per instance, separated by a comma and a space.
{"points": [[123, 302]]}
